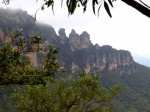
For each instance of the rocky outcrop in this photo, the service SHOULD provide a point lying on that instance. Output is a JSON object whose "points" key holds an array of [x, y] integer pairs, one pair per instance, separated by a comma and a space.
{"points": [[74, 40], [62, 36], [78, 42], [85, 40]]}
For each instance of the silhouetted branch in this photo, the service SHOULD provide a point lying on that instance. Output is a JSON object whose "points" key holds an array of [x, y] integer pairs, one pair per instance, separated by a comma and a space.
{"points": [[144, 4], [144, 10]]}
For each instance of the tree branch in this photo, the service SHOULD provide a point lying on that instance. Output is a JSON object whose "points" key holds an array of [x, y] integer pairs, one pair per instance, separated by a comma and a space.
{"points": [[144, 4], [144, 10], [70, 105]]}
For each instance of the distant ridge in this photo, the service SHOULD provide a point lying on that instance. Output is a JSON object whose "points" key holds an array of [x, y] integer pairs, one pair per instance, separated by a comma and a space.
{"points": [[141, 60]]}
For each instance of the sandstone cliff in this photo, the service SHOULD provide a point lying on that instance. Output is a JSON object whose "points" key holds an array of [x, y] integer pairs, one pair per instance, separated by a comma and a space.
{"points": [[80, 53], [76, 50]]}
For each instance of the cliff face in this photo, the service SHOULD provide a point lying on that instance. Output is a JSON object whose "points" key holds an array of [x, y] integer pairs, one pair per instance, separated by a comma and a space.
{"points": [[75, 41], [76, 51], [119, 62], [96, 61], [81, 53]]}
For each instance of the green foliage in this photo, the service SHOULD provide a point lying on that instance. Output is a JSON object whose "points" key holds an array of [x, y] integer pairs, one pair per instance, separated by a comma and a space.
{"points": [[107, 8], [136, 90], [6, 103], [16, 67], [73, 4], [67, 94]]}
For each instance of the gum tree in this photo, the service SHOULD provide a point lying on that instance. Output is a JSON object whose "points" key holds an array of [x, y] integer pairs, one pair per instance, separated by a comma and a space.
{"points": [[80, 94]]}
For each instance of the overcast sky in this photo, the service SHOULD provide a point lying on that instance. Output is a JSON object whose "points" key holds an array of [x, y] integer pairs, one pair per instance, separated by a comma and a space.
{"points": [[128, 29]]}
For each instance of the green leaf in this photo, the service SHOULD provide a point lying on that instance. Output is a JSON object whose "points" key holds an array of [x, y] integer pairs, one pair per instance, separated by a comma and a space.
{"points": [[107, 8], [67, 2], [85, 2], [93, 5], [84, 9], [49, 3], [53, 9], [71, 5], [78, 5], [99, 9], [110, 2], [42, 8]]}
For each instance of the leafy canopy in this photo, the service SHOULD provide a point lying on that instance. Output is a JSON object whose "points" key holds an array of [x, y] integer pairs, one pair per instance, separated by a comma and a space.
{"points": [[67, 94]]}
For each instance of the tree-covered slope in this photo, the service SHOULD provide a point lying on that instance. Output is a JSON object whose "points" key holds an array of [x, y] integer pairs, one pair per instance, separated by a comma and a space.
{"points": [[135, 96]]}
